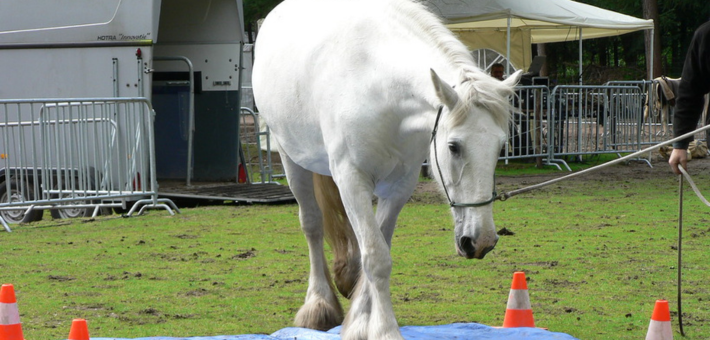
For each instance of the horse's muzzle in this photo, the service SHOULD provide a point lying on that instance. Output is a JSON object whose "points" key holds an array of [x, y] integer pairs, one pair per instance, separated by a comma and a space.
{"points": [[466, 248]]}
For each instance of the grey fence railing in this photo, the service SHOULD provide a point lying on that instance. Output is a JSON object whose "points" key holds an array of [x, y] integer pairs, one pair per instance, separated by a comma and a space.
{"points": [[76, 156], [584, 120], [261, 160], [528, 128]]}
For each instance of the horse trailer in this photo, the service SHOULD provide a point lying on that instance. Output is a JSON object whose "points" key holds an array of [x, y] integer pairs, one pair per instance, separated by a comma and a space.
{"points": [[171, 70]]}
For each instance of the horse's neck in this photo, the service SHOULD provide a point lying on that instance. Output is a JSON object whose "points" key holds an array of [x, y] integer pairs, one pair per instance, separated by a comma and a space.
{"points": [[449, 54], [417, 18]]}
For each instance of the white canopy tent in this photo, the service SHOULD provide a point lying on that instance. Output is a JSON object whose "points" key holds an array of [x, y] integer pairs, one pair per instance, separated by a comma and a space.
{"points": [[512, 26]]}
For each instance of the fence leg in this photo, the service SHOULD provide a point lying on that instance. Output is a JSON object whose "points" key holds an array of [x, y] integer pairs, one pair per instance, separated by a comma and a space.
{"points": [[162, 203], [4, 224]]}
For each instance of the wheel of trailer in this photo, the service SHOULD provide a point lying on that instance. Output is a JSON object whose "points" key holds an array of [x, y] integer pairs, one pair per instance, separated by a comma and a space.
{"points": [[74, 189], [71, 212], [16, 195]]}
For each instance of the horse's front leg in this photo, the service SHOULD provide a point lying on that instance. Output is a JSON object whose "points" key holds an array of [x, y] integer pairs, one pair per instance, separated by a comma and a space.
{"points": [[371, 315], [389, 206]]}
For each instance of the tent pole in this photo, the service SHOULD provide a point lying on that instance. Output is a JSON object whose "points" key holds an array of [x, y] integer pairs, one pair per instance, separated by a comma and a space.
{"points": [[507, 65], [580, 56]]}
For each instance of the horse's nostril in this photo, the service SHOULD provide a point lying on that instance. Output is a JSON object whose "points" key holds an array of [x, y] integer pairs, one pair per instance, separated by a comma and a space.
{"points": [[467, 247]]}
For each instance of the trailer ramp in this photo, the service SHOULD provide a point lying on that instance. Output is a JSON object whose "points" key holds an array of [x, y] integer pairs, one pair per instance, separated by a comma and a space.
{"points": [[229, 191]]}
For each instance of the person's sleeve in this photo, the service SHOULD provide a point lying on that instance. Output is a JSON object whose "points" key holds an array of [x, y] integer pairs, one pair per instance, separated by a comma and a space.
{"points": [[694, 84]]}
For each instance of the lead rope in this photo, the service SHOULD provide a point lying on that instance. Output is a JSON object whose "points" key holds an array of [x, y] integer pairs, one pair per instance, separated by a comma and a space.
{"points": [[684, 174], [680, 245], [505, 195], [680, 232]]}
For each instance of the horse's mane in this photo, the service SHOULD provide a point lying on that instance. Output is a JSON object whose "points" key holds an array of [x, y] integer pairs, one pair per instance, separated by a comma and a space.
{"points": [[474, 86], [485, 91]]}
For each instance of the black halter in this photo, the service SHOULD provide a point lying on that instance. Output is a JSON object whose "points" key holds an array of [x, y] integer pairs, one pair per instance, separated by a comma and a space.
{"points": [[441, 177]]}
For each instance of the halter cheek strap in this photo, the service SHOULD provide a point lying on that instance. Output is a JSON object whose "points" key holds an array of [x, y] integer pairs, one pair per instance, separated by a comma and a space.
{"points": [[441, 177]]}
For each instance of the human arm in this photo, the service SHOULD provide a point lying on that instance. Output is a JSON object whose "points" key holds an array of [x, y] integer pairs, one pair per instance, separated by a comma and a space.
{"points": [[694, 84]]}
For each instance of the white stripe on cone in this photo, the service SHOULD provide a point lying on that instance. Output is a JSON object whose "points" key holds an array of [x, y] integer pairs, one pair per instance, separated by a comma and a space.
{"points": [[9, 314], [659, 330], [519, 299]]}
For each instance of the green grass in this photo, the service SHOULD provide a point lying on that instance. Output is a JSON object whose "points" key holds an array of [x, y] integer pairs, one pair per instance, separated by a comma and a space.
{"points": [[597, 255], [527, 166]]}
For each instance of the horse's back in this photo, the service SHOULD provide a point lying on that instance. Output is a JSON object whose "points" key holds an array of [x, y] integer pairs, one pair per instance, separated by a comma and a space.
{"points": [[327, 68], [304, 44]]}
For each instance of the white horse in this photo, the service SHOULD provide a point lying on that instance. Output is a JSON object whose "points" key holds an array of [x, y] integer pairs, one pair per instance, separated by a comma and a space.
{"points": [[352, 90]]}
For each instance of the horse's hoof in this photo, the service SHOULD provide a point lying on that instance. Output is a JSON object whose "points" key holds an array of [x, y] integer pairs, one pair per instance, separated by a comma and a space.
{"points": [[319, 315], [352, 331], [356, 324]]}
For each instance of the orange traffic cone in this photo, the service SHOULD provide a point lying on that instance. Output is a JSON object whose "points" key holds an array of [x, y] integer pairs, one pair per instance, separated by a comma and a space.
{"points": [[660, 326], [79, 330], [10, 326], [519, 312]]}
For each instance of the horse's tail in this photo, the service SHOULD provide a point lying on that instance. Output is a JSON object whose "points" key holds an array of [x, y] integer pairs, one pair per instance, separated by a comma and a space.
{"points": [[338, 233]]}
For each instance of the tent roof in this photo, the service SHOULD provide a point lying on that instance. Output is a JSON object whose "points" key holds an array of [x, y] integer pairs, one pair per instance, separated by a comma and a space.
{"points": [[546, 20]]}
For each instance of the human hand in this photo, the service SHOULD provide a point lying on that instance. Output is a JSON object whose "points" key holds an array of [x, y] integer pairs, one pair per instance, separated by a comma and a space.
{"points": [[678, 157]]}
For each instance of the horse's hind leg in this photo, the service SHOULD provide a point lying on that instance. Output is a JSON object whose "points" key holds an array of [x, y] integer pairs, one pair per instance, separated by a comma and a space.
{"points": [[321, 309]]}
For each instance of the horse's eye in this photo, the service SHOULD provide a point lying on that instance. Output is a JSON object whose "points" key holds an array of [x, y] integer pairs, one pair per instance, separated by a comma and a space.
{"points": [[455, 148]]}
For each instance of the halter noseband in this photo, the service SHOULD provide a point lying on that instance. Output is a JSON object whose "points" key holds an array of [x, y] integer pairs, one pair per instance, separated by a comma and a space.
{"points": [[441, 177]]}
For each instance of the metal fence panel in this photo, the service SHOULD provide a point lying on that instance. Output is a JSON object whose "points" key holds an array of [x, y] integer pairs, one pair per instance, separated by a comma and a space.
{"points": [[259, 153], [592, 120], [657, 119], [528, 133], [69, 154]]}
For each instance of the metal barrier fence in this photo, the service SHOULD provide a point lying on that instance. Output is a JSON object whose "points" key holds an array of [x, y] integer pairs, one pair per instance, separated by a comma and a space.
{"points": [[256, 145], [577, 121], [597, 119], [657, 120], [528, 135], [76, 156]]}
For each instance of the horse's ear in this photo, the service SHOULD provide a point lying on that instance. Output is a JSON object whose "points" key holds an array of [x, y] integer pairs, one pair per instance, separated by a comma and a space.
{"points": [[514, 78], [444, 91]]}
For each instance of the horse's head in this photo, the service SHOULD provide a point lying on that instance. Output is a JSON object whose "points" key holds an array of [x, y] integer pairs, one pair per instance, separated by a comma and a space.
{"points": [[464, 153]]}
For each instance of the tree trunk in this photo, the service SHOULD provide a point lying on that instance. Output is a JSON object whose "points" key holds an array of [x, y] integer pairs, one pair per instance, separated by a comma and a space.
{"points": [[603, 50], [629, 56], [542, 52], [650, 11], [250, 32]]}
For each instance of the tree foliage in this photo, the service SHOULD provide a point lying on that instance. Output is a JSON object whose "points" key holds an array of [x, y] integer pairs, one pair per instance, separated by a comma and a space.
{"points": [[255, 10], [624, 56]]}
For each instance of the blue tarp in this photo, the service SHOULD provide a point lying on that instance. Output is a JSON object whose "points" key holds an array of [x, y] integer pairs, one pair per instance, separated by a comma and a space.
{"points": [[458, 331]]}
